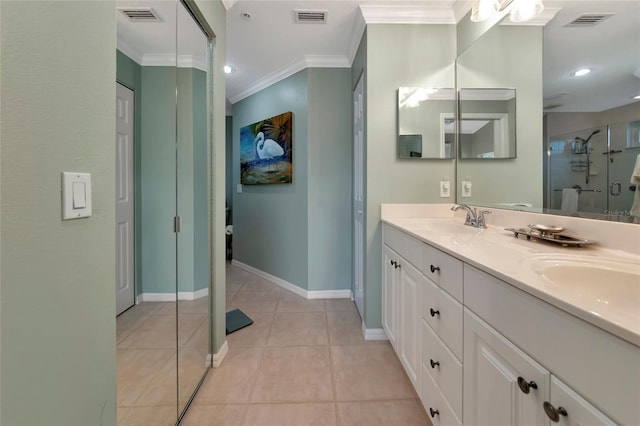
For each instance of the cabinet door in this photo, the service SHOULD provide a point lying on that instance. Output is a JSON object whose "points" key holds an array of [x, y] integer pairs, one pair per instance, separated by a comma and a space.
{"points": [[493, 368], [411, 284], [390, 290], [567, 408]]}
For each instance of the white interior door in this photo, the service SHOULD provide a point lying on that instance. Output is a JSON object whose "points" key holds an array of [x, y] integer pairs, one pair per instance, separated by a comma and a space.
{"points": [[125, 292], [358, 203]]}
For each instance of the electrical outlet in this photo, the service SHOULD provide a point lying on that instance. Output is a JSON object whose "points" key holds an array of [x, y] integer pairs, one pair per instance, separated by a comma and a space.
{"points": [[445, 189], [466, 188]]}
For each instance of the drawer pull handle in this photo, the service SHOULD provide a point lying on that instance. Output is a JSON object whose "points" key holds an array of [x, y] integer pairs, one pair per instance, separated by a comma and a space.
{"points": [[433, 412], [393, 263], [434, 269], [525, 386], [434, 313], [554, 413], [434, 364], [397, 265]]}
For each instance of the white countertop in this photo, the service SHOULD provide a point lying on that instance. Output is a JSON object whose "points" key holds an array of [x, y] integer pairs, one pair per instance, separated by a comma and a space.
{"points": [[494, 250]]}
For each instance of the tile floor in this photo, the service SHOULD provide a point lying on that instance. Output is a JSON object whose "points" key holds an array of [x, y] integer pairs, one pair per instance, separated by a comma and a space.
{"points": [[146, 359], [302, 362]]}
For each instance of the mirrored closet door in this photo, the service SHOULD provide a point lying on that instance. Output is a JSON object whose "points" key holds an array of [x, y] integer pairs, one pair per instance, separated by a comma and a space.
{"points": [[163, 338]]}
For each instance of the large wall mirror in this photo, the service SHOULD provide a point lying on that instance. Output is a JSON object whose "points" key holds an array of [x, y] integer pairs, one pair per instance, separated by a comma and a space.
{"points": [[487, 123], [576, 148]]}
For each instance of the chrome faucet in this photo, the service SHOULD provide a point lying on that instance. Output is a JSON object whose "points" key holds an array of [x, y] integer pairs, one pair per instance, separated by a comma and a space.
{"points": [[471, 218], [474, 218]]}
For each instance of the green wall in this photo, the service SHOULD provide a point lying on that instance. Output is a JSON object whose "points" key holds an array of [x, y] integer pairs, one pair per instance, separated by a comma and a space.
{"points": [[201, 155], [193, 178], [301, 232], [158, 180], [426, 60], [270, 221], [330, 163], [57, 322]]}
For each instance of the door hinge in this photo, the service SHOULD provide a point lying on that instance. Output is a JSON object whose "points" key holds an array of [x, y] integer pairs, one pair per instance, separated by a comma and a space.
{"points": [[177, 224]]}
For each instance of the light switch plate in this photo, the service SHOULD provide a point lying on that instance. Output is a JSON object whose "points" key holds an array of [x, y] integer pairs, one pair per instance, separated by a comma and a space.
{"points": [[76, 195], [445, 189], [239, 188], [466, 188]]}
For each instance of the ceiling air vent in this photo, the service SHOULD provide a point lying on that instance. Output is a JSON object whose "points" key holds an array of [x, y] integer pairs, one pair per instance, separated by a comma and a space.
{"points": [[589, 20], [311, 16], [140, 14]]}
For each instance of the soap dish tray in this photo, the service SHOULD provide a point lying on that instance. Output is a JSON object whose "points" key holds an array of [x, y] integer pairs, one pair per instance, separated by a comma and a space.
{"points": [[558, 238]]}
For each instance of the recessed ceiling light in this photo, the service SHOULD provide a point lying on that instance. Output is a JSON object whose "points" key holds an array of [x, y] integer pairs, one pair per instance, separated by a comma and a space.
{"points": [[581, 72], [229, 69]]}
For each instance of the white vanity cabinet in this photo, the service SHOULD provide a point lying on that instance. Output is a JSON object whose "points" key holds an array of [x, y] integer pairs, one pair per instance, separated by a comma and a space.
{"points": [[402, 286], [481, 351]]}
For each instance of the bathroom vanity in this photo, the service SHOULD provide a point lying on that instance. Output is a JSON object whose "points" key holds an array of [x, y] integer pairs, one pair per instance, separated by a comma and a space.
{"points": [[494, 330]]}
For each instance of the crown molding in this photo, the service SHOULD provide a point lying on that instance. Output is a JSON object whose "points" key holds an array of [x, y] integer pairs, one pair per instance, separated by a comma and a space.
{"points": [[270, 79], [308, 61], [433, 13], [327, 61], [133, 53], [159, 60], [461, 8], [228, 4], [190, 61]]}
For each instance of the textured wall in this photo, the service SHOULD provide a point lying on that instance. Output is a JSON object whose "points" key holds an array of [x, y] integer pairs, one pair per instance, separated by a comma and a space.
{"points": [[57, 279]]}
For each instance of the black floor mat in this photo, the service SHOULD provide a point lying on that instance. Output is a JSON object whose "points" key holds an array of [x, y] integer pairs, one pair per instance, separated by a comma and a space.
{"points": [[236, 320]]}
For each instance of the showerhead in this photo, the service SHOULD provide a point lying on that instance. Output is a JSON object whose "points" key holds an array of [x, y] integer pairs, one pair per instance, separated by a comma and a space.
{"points": [[586, 141]]}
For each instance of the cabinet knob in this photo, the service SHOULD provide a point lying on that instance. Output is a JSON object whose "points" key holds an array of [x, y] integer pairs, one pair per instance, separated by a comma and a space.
{"points": [[433, 412], [434, 364], [393, 263], [397, 265], [434, 269], [525, 386], [434, 313], [554, 413]]}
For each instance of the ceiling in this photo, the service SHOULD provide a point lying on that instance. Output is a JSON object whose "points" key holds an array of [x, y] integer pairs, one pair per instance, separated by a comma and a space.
{"points": [[270, 45]]}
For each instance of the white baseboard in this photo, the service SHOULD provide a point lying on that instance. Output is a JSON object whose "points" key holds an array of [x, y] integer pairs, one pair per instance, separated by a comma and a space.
{"points": [[193, 295], [373, 333], [158, 297], [171, 297], [319, 294], [215, 360]]}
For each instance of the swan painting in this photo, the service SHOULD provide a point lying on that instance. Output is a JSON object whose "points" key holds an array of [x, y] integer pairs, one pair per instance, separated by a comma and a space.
{"points": [[266, 151]]}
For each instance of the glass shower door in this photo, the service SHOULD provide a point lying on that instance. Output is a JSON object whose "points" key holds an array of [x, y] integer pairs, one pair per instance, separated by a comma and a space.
{"points": [[621, 158]]}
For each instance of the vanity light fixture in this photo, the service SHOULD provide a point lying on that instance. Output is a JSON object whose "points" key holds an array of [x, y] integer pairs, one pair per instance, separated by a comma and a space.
{"points": [[520, 10], [229, 69], [581, 72]]}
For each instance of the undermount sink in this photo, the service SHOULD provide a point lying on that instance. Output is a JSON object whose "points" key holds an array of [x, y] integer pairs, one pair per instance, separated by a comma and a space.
{"points": [[452, 226], [600, 284]]}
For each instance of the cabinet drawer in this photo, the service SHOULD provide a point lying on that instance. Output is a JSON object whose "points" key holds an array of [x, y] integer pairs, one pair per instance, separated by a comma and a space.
{"points": [[444, 270], [444, 316], [443, 367], [438, 410], [404, 245]]}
